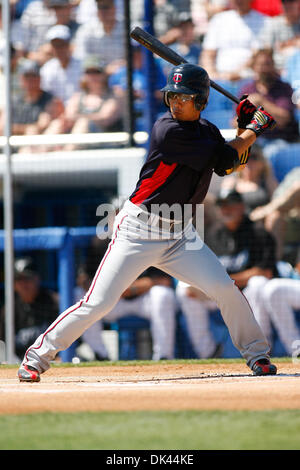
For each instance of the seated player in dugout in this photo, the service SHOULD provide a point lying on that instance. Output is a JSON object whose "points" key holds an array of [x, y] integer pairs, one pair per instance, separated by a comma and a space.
{"points": [[184, 152]]}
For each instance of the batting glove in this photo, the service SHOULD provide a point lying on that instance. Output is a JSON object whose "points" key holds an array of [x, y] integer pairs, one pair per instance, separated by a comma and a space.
{"points": [[245, 112], [261, 121]]}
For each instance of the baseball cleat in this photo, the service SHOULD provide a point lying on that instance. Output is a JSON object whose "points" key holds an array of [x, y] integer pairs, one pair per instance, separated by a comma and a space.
{"points": [[264, 367], [28, 374]]}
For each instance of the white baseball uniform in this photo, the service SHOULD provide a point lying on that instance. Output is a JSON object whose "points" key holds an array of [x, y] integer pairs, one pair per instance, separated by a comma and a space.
{"points": [[182, 157], [276, 304]]}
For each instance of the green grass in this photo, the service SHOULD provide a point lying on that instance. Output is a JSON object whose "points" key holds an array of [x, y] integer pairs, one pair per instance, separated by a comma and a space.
{"points": [[151, 362], [201, 430]]}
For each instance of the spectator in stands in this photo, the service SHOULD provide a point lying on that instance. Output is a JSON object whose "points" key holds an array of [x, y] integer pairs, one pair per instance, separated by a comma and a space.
{"points": [[61, 75], [268, 90], [94, 108], [165, 21], [231, 38], [203, 10], [63, 10], [35, 21], [34, 111], [35, 306], [292, 75], [248, 254], [270, 8], [292, 70], [15, 32], [186, 45], [14, 78], [280, 303], [165, 17], [282, 33], [118, 83], [280, 213], [85, 11], [151, 297], [19, 6], [182, 5], [241, 236], [256, 182], [103, 36], [2, 37]]}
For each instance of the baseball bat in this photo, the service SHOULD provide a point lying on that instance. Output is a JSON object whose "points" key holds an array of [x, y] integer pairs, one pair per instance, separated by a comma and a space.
{"points": [[157, 47]]}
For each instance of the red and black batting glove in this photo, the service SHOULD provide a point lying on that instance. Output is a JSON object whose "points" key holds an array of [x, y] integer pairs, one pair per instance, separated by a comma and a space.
{"points": [[245, 112], [261, 121]]}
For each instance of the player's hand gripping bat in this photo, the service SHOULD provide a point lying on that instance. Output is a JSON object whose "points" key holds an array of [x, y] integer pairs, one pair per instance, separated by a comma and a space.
{"points": [[157, 47]]}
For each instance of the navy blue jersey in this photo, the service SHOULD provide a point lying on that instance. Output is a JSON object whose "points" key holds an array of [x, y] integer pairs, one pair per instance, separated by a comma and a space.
{"points": [[181, 160]]}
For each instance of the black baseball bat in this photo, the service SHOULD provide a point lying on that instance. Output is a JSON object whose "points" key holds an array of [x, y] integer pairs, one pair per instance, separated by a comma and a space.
{"points": [[156, 46]]}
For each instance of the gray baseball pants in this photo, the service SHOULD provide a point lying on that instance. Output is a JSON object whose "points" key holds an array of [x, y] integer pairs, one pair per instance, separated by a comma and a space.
{"points": [[130, 252]]}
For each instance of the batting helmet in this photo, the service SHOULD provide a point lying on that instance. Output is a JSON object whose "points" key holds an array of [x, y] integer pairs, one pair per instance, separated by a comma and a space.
{"points": [[189, 79]]}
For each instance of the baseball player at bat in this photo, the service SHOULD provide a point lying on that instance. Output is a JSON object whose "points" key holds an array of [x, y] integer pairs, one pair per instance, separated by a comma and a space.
{"points": [[184, 152]]}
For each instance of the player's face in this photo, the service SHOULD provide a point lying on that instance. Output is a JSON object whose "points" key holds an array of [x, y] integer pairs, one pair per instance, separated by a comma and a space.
{"points": [[182, 107]]}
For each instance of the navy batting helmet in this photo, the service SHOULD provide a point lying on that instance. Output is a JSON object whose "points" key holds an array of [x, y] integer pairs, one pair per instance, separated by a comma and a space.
{"points": [[189, 79]]}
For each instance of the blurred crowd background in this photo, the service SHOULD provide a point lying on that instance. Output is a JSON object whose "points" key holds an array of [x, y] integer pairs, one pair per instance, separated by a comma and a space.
{"points": [[69, 76]]}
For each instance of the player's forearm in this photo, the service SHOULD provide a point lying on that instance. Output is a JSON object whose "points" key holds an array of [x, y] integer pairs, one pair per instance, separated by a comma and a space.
{"points": [[242, 144], [243, 141]]}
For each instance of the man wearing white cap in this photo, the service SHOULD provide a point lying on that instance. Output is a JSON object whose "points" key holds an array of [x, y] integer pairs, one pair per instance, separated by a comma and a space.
{"points": [[61, 75]]}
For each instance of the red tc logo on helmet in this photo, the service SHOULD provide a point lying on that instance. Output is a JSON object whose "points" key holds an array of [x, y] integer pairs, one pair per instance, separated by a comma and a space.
{"points": [[177, 77]]}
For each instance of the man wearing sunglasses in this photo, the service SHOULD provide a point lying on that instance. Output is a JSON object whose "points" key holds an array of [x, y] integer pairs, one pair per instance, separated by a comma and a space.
{"points": [[155, 228]]}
